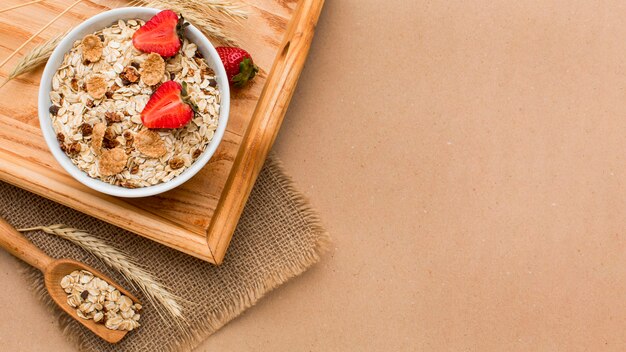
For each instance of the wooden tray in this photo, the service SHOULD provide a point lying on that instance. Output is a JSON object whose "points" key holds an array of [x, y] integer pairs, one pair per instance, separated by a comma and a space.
{"points": [[199, 217]]}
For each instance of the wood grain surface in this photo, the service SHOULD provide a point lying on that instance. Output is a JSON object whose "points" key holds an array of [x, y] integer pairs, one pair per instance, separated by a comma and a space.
{"points": [[200, 216]]}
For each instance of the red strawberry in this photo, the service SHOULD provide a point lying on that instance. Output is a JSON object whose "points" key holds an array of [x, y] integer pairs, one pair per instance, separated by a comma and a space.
{"points": [[168, 107], [162, 34], [239, 65]]}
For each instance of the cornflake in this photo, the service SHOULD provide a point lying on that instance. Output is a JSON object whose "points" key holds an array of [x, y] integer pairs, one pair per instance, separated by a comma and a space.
{"points": [[112, 161], [153, 69], [150, 144], [97, 133], [96, 86], [92, 48]]}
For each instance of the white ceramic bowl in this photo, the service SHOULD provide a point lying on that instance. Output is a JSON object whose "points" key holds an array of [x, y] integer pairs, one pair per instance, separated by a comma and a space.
{"points": [[96, 23]]}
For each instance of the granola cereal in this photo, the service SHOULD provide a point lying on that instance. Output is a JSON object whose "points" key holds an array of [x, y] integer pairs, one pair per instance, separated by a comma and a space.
{"points": [[109, 139], [97, 103], [177, 163], [112, 117], [74, 148], [129, 75], [86, 129]]}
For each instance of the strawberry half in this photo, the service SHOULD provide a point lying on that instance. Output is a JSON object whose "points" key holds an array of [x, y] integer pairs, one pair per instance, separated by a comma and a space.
{"points": [[168, 107], [162, 34], [238, 64]]}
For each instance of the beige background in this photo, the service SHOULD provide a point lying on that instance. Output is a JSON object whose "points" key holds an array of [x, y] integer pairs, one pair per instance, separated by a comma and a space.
{"points": [[469, 159]]}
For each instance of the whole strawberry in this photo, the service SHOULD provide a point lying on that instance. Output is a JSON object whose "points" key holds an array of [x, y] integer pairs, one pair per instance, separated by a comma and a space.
{"points": [[239, 65]]}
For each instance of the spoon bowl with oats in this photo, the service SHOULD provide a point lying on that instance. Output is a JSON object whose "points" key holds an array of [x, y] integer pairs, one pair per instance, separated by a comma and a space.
{"points": [[86, 294]]}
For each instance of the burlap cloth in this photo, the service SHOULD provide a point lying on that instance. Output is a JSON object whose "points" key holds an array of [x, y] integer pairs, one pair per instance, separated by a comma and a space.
{"points": [[277, 238]]}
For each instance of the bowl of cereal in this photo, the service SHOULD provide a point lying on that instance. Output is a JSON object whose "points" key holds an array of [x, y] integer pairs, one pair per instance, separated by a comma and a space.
{"points": [[134, 102]]}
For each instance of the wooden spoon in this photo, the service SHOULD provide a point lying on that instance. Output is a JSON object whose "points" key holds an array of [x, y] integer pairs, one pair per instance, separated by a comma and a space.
{"points": [[54, 270]]}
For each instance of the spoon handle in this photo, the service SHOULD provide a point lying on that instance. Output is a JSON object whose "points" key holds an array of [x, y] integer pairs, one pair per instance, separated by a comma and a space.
{"points": [[19, 246]]}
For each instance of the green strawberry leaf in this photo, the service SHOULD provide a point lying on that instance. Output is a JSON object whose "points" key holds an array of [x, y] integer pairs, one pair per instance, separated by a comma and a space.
{"points": [[180, 28], [247, 71], [184, 91], [187, 99]]}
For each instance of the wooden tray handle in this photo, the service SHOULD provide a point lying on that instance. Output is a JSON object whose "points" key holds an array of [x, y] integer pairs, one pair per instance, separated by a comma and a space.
{"points": [[16, 244], [264, 126]]}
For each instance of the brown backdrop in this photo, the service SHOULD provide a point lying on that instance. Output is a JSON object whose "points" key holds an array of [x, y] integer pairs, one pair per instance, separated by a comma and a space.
{"points": [[469, 158]]}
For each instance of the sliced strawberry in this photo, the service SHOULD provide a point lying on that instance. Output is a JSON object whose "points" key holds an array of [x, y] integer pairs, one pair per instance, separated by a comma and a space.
{"points": [[162, 34], [168, 107]]}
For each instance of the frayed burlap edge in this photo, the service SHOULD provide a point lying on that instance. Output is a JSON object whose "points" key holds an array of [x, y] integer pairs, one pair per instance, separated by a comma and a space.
{"points": [[239, 304]]}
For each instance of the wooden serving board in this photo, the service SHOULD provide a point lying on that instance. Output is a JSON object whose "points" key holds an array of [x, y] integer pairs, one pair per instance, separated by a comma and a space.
{"points": [[199, 217]]}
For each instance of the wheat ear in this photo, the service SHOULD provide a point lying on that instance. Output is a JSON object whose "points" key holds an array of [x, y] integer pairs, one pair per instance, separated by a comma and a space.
{"points": [[226, 8], [20, 5], [157, 294], [37, 56], [39, 32]]}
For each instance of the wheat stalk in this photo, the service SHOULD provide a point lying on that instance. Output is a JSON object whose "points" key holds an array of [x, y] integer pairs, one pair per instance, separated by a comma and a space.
{"points": [[208, 15], [39, 32], [20, 5], [37, 56], [226, 8], [138, 277]]}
